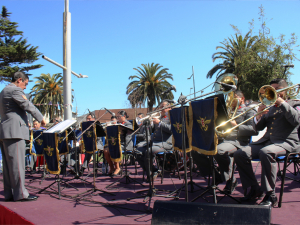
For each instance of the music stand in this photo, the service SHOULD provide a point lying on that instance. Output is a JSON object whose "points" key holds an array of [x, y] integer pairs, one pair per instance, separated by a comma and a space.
{"points": [[222, 116], [94, 189], [100, 132], [127, 177], [73, 137], [59, 128], [152, 190]]}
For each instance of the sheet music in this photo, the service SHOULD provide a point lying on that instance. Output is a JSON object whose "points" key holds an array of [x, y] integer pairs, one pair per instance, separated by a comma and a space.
{"points": [[60, 127]]}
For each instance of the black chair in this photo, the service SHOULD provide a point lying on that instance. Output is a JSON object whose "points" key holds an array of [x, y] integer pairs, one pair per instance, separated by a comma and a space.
{"points": [[167, 160], [288, 159]]}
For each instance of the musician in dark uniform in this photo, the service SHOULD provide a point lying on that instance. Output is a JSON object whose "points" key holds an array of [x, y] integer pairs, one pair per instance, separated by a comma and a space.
{"points": [[282, 122], [13, 133], [114, 167], [161, 140], [236, 139]]}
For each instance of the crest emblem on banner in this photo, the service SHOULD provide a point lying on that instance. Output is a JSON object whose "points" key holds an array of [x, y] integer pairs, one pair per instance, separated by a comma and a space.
{"points": [[89, 133], [178, 127], [113, 140], [48, 150], [60, 139], [39, 141], [203, 122]]}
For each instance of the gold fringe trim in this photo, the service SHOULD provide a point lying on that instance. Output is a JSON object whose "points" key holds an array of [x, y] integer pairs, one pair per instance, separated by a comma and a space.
{"points": [[187, 131], [57, 157], [31, 143], [120, 147], [202, 151]]}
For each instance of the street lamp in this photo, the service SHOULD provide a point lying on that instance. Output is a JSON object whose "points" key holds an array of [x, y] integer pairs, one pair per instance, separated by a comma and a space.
{"points": [[193, 81]]}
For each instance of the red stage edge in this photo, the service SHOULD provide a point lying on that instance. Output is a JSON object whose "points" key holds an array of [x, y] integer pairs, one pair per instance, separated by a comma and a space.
{"points": [[9, 217]]}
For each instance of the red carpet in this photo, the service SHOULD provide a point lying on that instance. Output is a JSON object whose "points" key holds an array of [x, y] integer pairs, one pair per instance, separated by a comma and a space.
{"points": [[9, 217]]}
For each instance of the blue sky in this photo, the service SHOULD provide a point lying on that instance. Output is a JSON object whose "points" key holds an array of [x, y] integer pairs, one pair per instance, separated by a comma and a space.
{"points": [[110, 38]]}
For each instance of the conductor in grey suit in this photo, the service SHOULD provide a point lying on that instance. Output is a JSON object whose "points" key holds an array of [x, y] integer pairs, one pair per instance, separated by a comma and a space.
{"points": [[161, 140], [282, 122], [13, 133]]}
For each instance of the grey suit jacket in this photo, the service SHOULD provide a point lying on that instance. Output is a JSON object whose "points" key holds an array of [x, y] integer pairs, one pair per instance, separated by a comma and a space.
{"points": [[282, 125], [162, 135], [242, 135], [13, 108]]}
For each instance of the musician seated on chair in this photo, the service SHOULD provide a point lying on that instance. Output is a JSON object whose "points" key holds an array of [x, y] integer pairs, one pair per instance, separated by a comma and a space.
{"points": [[235, 140], [161, 140], [282, 122], [114, 167]]}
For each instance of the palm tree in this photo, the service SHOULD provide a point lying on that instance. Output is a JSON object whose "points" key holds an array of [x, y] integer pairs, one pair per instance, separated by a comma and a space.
{"points": [[47, 94], [233, 50], [151, 82]]}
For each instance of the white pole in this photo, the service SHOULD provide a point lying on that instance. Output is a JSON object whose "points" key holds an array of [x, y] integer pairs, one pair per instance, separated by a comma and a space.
{"points": [[67, 62]]}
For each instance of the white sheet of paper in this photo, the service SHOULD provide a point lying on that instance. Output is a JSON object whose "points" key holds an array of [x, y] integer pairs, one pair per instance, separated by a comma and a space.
{"points": [[60, 127]]}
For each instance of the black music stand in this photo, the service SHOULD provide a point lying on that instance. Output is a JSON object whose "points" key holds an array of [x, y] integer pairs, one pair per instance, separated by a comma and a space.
{"points": [[100, 132], [152, 190], [77, 175], [182, 101], [94, 189], [127, 177], [212, 186]]}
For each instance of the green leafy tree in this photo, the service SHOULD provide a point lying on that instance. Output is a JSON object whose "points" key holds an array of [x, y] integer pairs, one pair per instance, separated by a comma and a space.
{"points": [[14, 50], [259, 60], [151, 81], [47, 94]]}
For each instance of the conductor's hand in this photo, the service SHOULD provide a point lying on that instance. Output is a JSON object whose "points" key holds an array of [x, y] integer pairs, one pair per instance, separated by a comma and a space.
{"points": [[261, 108], [156, 120], [43, 123]]}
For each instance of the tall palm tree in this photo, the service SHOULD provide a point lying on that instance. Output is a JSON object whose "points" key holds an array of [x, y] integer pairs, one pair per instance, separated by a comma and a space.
{"points": [[233, 50], [47, 94], [151, 81]]}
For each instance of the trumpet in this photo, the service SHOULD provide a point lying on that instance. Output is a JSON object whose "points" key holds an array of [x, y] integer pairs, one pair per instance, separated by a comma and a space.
{"points": [[267, 96], [139, 121], [109, 123]]}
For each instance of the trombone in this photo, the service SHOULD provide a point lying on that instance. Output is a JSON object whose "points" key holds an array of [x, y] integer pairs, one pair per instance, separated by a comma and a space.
{"points": [[228, 79], [267, 96]]}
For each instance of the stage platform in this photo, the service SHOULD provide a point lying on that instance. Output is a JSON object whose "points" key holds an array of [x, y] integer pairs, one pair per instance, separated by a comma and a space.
{"points": [[102, 208]]}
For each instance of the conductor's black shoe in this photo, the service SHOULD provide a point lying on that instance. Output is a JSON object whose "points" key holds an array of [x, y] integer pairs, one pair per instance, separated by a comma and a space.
{"points": [[253, 194], [269, 200], [230, 186], [29, 198], [9, 199]]}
